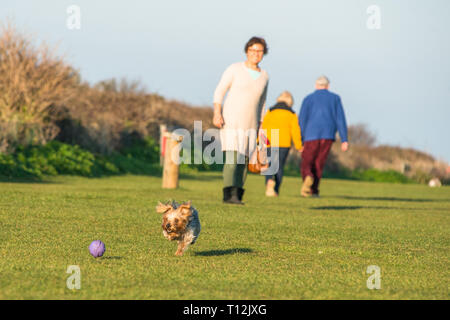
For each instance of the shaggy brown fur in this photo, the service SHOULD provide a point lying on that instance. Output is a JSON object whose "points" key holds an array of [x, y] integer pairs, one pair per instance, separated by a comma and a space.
{"points": [[180, 223]]}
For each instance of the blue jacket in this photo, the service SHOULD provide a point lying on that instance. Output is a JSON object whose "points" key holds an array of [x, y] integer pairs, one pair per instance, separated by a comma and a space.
{"points": [[321, 115]]}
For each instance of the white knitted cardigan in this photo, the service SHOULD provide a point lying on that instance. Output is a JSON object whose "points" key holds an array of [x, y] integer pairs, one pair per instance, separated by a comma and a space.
{"points": [[243, 109]]}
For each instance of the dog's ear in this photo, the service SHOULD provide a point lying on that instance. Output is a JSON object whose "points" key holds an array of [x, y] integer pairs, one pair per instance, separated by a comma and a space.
{"points": [[163, 208], [186, 209]]}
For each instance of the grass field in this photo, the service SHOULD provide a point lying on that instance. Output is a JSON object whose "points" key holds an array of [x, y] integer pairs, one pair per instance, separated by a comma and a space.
{"points": [[284, 248]]}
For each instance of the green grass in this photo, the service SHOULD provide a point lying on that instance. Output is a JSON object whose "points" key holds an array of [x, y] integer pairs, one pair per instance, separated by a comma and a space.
{"points": [[284, 248]]}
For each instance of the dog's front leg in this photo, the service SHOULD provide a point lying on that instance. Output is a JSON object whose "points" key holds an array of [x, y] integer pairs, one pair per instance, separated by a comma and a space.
{"points": [[182, 246], [180, 249]]}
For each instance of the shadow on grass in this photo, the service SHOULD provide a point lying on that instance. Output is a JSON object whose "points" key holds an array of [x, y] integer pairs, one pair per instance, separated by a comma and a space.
{"points": [[27, 180], [349, 207], [199, 177], [373, 207], [338, 208], [212, 253], [112, 258], [391, 199]]}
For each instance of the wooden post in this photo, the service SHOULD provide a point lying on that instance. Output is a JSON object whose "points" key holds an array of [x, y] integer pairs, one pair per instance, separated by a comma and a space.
{"points": [[170, 170]]}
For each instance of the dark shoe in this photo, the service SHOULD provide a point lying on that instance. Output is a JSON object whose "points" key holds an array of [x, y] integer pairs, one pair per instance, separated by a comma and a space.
{"points": [[240, 194], [227, 194], [234, 197]]}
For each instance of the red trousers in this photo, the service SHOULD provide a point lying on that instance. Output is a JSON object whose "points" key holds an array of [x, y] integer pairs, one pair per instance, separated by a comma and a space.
{"points": [[314, 156]]}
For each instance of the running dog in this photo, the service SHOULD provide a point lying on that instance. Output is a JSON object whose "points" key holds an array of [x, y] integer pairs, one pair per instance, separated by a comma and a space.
{"points": [[180, 222]]}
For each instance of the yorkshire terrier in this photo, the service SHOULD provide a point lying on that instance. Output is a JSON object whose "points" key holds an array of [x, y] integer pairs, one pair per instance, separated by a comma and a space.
{"points": [[181, 223]]}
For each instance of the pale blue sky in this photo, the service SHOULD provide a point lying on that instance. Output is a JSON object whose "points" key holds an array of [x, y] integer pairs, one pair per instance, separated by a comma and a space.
{"points": [[396, 79]]}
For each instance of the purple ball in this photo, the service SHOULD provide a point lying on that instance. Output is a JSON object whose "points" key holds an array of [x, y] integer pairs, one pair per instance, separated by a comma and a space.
{"points": [[97, 248]]}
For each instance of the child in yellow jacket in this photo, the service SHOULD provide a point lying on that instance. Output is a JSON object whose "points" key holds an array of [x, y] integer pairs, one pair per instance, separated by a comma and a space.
{"points": [[281, 117]]}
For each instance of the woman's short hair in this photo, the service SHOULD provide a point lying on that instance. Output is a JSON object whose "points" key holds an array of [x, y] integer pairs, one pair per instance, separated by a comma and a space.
{"points": [[287, 98], [254, 40]]}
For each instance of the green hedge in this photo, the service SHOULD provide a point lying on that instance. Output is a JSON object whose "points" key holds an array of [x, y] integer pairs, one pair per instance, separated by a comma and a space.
{"points": [[380, 176], [35, 162], [360, 175], [59, 158], [142, 157], [52, 159]]}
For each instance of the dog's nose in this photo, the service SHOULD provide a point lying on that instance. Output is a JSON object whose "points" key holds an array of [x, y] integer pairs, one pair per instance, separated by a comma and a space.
{"points": [[168, 225]]}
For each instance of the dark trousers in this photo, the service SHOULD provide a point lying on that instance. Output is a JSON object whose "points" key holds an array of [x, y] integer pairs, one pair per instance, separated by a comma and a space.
{"points": [[314, 156], [282, 156]]}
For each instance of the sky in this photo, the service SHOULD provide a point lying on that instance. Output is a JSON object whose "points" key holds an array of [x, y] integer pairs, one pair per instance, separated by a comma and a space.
{"points": [[391, 67]]}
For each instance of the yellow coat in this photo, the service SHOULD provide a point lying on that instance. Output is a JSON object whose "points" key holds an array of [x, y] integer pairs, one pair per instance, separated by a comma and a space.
{"points": [[285, 120]]}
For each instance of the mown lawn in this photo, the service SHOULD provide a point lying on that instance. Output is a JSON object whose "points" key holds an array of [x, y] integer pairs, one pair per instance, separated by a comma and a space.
{"points": [[284, 248]]}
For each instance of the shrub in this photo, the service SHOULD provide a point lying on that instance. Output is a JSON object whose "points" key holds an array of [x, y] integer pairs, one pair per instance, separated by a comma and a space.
{"points": [[146, 149], [32, 79], [52, 159], [380, 176], [359, 134], [59, 158], [421, 177], [10, 168]]}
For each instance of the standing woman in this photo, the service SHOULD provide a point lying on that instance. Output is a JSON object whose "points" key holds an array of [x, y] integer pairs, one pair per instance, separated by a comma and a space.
{"points": [[240, 117]]}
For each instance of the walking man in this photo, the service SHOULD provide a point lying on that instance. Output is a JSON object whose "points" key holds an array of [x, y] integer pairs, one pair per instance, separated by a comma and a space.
{"points": [[321, 115]]}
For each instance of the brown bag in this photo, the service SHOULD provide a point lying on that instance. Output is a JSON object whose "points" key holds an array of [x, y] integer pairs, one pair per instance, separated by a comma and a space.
{"points": [[257, 162]]}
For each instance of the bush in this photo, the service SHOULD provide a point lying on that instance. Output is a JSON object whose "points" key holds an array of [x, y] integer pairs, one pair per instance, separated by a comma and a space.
{"points": [[380, 176], [9, 167], [128, 164], [360, 134], [340, 172], [203, 166], [142, 157], [146, 149], [32, 79], [59, 158], [421, 177], [52, 159]]}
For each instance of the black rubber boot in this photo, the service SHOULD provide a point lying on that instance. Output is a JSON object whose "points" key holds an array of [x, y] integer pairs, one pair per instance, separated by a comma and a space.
{"points": [[240, 193], [227, 194], [236, 196], [233, 199]]}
